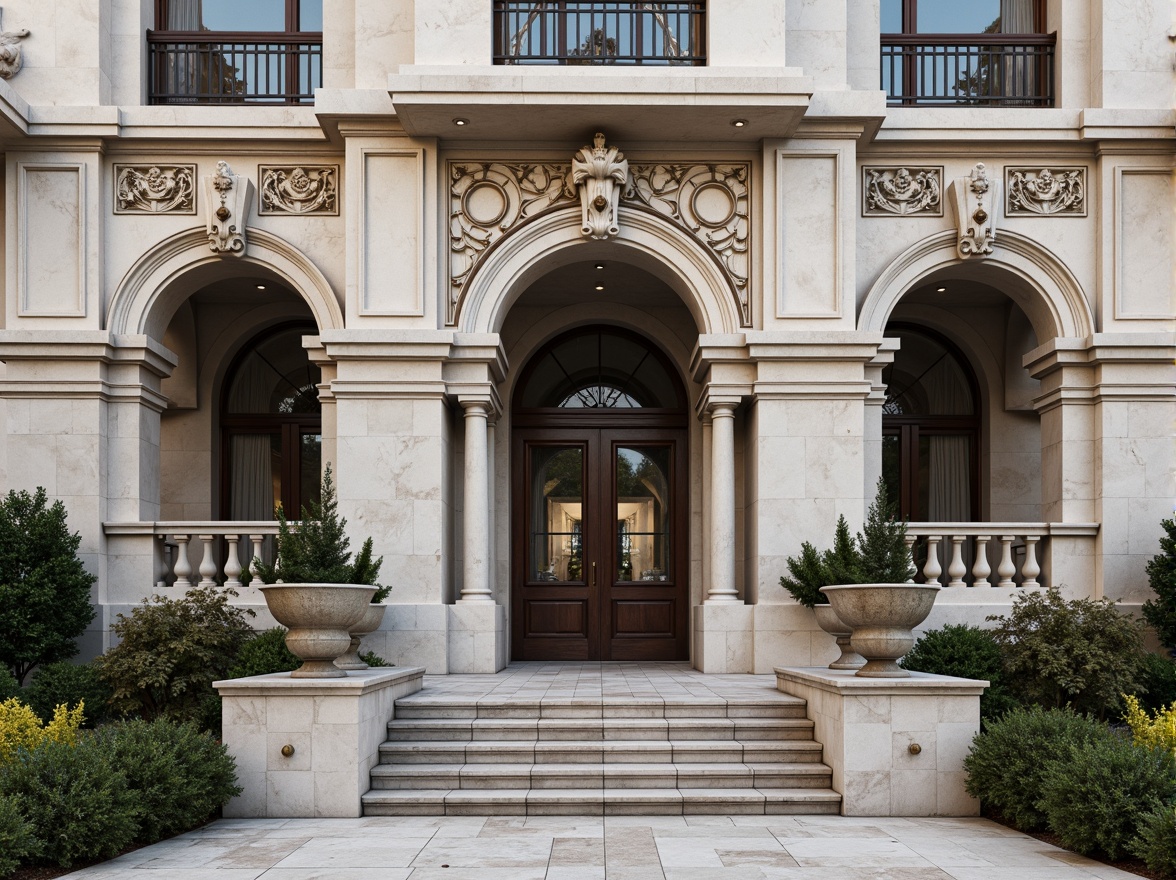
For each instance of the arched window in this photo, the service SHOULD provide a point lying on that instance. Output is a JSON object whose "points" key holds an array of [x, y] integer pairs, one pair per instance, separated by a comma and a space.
{"points": [[271, 427], [930, 429]]}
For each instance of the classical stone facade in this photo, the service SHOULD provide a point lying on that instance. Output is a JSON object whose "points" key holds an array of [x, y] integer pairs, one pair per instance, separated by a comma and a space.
{"points": [[592, 347]]}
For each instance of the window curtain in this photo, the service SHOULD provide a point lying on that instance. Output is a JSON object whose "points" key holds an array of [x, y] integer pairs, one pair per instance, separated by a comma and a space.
{"points": [[949, 497], [1018, 70], [182, 68], [251, 490]]}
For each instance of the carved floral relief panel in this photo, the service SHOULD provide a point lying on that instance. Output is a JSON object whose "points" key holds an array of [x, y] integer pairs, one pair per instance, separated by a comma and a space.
{"points": [[155, 189], [298, 189], [710, 201], [1045, 191], [902, 191]]}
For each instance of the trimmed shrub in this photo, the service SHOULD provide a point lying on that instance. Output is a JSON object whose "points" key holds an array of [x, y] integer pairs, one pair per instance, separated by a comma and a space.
{"points": [[75, 799], [1096, 793], [178, 774], [1160, 612], [1157, 682], [1008, 760], [44, 589], [17, 840], [68, 683], [171, 652], [1148, 732], [21, 729], [371, 658], [967, 652], [1156, 841], [264, 653], [1079, 653]]}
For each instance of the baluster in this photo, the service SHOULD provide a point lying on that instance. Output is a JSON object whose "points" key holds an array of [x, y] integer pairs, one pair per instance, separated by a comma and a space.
{"points": [[981, 569], [932, 569], [207, 563], [1005, 569], [232, 563], [256, 541], [183, 566], [910, 545], [165, 558], [1030, 570], [956, 568]]}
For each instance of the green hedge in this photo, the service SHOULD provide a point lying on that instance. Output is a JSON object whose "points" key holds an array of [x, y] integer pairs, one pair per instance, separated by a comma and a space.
{"points": [[967, 652]]}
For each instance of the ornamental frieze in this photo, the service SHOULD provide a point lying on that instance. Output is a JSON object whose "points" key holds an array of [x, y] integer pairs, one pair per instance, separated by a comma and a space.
{"points": [[298, 189], [155, 189], [1045, 191], [709, 201], [902, 191]]}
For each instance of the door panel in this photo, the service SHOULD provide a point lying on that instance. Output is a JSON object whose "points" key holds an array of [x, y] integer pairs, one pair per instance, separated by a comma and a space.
{"points": [[599, 544]]}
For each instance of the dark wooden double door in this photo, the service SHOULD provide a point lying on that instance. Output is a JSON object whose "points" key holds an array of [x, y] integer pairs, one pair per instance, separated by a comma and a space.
{"points": [[599, 544]]}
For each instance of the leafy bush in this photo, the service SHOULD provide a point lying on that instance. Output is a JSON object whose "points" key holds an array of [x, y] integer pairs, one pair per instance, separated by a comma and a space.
{"points": [[1156, 841], [21, 729], [1008, 760], [1095, 794], [371, 658], [1161, 574], [44, 590], [179, 775], [317, 550], [264, 653], [75, 799], [967, 652], [1080, 653], [9, 686], [171, 652], [17, 840], [68, 683], [1157, 682], [1148, 732]]}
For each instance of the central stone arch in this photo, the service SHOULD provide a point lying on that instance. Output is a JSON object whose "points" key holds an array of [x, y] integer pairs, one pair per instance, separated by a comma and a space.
{"points": [[645, 239]]}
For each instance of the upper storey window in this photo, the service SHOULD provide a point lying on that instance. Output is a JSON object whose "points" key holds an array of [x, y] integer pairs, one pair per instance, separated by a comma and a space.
{"points": [[599, 33], [233, 52], [980, 52]]}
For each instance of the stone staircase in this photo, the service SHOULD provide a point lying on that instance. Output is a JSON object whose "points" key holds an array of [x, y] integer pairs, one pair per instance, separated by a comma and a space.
{"points": [[455, 755]]}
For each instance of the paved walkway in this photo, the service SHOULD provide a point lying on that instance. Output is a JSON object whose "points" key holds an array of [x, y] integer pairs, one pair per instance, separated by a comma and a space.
{"points": [[603, 848]]}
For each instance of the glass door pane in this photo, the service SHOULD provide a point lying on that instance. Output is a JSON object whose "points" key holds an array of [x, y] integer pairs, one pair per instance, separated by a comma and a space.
{"points": [[643, 513], [556, 529]]}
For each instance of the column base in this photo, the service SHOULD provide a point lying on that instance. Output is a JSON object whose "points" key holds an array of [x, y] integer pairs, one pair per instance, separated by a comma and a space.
{"points": [[477, 637], [723, 637]]}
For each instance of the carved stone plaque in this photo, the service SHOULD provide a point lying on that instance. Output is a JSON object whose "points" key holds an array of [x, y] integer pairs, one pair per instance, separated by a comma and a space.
{"points": [[155, 189], [298, 189], [1045, 191], [900, 191]]}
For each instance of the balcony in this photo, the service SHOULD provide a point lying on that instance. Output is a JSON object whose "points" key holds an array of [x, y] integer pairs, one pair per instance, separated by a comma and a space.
{"points": [[620, 33], [203, 67], [969, 70]]}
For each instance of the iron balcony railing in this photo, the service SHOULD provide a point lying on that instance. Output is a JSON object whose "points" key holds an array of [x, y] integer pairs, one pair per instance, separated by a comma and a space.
{"points": [[967, 70], [234, 68], [599, 33]]}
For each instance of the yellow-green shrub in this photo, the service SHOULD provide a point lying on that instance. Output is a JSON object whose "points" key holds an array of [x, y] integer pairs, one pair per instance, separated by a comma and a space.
{"points": [[20, 728], [1153, 732]]}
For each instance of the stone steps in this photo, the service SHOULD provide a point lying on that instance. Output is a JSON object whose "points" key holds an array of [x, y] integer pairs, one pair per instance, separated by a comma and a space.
{"points": [[447, 755]]}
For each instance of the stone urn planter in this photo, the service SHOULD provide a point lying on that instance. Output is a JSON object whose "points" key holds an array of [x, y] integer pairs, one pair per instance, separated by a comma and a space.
{"points": [[882, 617], [369, 623], [319, 618], [828, 620]]}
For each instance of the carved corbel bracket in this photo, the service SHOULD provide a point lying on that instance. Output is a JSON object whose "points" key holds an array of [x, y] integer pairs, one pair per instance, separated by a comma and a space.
{"points": [[976, 199], [227, 197], [601, 174], [10, 50]]}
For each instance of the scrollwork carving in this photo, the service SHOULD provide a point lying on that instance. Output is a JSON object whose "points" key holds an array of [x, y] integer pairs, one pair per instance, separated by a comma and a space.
{"points": [[890, 191], [11, 55], [298, 189], [1043, 192], [600, 173], [976, 198], [155, 189], [228, 208]]}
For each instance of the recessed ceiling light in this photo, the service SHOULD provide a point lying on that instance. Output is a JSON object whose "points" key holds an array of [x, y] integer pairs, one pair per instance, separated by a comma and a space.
{"points": [[600, 287], [461, 121], [260, 286], [739, 123], [941, 290], [600, 265]]}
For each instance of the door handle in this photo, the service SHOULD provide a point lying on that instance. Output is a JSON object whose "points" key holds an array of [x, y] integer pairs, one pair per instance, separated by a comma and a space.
{"points": [[593, 574]]}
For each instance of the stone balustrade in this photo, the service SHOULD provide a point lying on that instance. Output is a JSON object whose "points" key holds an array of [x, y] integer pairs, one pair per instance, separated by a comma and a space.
{"points": [[202, 553], [993, 554]]}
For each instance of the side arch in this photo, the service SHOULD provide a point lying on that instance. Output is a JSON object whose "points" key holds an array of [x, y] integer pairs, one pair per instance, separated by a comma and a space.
{"points": [[552, 240], [180, 265], [1029, 273]]}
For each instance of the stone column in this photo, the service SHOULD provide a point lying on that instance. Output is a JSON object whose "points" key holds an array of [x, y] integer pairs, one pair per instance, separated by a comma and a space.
{"points": [[476, 512], [722, 536]]}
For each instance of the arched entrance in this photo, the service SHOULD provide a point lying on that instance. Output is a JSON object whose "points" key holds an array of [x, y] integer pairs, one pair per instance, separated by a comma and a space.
{"points": [[599, 502]]}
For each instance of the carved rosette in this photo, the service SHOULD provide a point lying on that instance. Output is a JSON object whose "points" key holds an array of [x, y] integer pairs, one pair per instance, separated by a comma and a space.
{"points": [[1045, 191], [298, 189], [155, 189], [711, 201], [902, 191], [11, 56], [227, 198], [976, 198]]}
